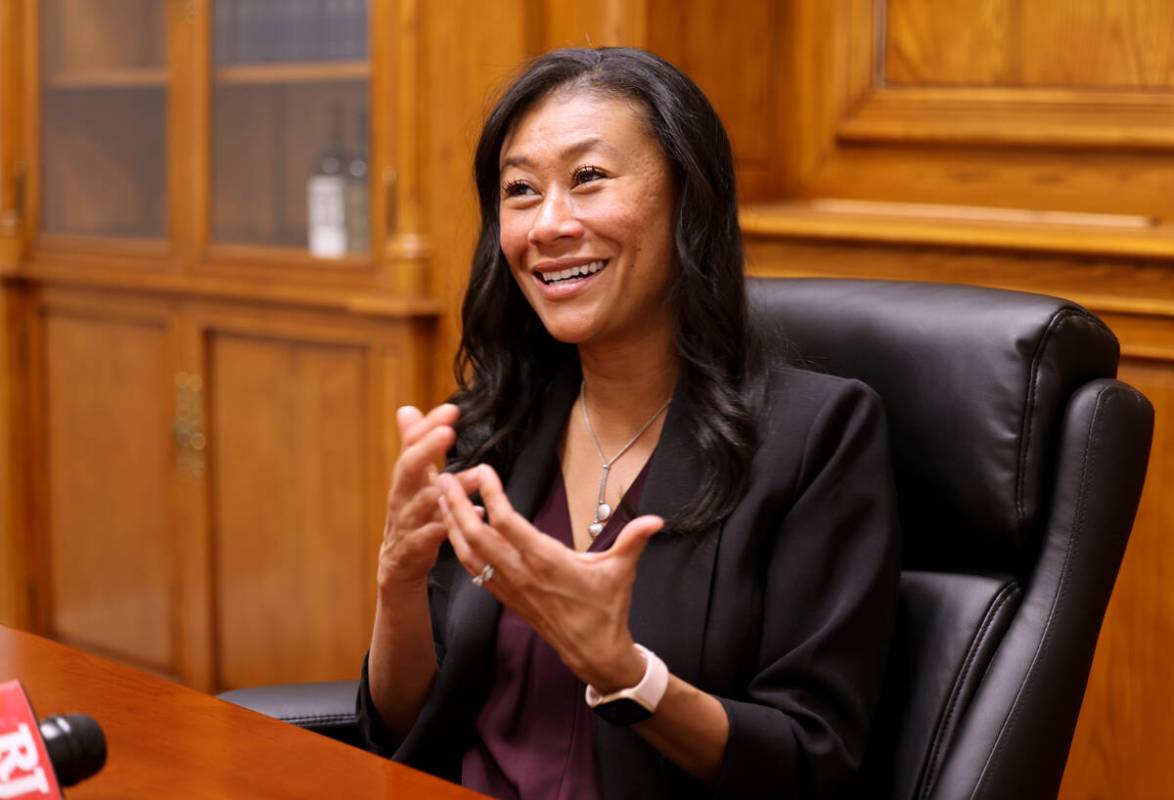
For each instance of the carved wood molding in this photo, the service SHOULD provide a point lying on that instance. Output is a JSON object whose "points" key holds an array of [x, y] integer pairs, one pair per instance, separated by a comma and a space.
{"points": [[922, 224], [1135, 298], [1020, 117]]}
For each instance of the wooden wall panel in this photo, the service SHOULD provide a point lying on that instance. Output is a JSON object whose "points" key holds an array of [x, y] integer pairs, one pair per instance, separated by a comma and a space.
{"points": [[15, 481], [983, 39], [1093, 43], [288, 429], [926, 133], [593, 23], [1122, 713], [1118, 44], [690, 40], [11, 130], [15, 572], [1107, 183], [106, 509], [461, 84]]}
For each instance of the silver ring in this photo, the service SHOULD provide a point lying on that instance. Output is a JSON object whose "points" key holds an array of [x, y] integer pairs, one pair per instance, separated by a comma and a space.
{"points": [[484, 576]]}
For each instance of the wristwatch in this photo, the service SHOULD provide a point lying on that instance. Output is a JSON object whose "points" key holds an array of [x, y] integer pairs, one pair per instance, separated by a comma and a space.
{"points": [[636, 703]]}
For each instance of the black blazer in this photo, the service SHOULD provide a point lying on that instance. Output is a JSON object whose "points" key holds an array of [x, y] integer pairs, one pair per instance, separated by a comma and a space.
{"points": [[784, 614]]}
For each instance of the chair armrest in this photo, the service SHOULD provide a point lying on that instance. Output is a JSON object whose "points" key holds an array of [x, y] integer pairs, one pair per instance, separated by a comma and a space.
{"points": [[327, 708]]}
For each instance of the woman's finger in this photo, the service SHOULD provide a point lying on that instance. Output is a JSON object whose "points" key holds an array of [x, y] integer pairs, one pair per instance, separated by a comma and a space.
{"points": [[445, 414], [430, 535], [458, 503], [405, 418], [412, 465], [632, 540], [420, 507], [516, 529], [456, 538], [484, 541], [467, 478]]}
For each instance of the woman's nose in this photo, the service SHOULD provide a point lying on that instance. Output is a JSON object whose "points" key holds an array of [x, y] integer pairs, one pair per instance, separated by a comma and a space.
{"points": [[556, 219]]}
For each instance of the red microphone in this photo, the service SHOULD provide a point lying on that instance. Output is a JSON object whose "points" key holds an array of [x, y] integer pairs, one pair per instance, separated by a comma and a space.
{"points": [[36, 760]]}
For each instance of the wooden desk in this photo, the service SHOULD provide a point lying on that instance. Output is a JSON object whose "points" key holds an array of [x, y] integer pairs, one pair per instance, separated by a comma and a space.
{"points": [[165, 740]]}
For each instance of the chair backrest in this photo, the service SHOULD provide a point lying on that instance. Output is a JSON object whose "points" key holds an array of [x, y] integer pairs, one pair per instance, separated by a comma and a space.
{"points": [[1019, 461]]}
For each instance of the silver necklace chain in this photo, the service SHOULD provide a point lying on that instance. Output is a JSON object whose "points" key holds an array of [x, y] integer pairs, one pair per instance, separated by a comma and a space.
{"points": [[602, 509]]}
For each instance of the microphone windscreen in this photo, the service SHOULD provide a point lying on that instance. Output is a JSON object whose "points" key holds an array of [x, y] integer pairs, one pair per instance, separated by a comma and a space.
{"points": [[76, 746]]}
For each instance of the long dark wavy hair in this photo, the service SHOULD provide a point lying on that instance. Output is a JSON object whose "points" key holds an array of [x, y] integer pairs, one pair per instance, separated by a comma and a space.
{"points": [[507, 359]]}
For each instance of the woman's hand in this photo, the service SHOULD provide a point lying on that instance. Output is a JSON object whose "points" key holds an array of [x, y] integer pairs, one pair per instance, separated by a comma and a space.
{"points": [[413, 531], [577, 602], [402, 660]]}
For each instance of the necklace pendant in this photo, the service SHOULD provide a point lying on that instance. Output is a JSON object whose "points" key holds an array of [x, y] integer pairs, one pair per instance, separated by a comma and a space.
{"points": [[603, 511]]}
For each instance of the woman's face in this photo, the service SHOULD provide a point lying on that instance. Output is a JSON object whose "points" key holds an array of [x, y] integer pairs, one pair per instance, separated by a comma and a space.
{"points": [[587, 216]]}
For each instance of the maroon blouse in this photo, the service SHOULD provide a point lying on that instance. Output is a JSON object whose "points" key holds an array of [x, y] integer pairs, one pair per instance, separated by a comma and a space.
{"points": [[535, 735]]}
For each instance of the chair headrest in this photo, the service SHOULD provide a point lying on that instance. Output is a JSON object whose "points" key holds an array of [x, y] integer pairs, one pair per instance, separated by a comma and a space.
{"points": [[975, 382]]}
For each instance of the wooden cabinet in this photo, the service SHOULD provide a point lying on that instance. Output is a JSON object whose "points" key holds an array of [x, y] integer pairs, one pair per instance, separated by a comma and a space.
{"points": [[196, 406]]}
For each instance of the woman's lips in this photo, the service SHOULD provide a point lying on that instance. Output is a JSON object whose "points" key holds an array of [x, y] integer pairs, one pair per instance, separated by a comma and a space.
{"points": [[569, 281], [570, 273]]}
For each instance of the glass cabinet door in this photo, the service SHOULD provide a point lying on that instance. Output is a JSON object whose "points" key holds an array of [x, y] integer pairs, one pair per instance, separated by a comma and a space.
{"points": [[103, 103], [290, 125]]}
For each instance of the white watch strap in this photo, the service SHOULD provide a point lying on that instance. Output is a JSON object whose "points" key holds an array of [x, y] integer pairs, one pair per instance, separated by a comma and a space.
{"points": [[648, 692]]}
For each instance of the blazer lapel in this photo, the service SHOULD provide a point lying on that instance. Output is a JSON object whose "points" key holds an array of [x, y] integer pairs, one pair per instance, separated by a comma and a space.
{"points": [[670, 597], [539, 457]]}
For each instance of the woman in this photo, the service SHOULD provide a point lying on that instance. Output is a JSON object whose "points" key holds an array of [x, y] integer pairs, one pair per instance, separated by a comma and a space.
{"points": [[687, 584]]}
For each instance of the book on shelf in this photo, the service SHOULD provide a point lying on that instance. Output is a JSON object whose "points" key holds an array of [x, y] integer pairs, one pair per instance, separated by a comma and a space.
{"points": [[254, 31], [224, 29]]}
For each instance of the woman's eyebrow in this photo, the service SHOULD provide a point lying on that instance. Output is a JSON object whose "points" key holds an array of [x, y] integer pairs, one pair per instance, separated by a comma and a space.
{"points": [[574, 149]]}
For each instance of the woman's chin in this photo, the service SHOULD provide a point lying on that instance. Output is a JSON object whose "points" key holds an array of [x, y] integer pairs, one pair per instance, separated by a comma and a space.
{"points": [[571, 333], [573, 338]]}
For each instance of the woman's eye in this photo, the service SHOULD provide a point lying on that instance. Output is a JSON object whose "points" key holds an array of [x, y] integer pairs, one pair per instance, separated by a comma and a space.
{"points": [[516, 189], [587, 175]]}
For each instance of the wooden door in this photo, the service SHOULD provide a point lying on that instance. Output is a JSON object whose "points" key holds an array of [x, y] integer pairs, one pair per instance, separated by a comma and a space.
{"points": [[103, 461], [199, 407], [300, 436]]}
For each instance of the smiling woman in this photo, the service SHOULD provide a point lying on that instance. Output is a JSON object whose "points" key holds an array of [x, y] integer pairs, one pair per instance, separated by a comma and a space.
{"points": [[586, 214], [648, 475]]}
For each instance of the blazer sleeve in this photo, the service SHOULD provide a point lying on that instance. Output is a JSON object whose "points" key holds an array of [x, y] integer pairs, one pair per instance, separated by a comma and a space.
{"points": [[829, 605], [375, 735]]}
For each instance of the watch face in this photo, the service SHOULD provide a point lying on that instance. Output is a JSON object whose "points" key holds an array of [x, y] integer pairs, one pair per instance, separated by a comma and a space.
{"points": [[623, 711]]}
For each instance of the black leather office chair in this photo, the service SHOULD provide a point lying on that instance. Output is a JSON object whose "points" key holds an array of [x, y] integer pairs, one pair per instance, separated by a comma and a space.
{"points": [[1019, 461]]}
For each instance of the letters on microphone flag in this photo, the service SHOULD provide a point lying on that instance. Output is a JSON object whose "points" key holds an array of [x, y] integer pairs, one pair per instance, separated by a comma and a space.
{"points": [[25, 769]]}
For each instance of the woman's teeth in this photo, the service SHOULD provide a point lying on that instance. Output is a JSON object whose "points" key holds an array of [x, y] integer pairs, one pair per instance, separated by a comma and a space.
{"points": [[572, 272]]}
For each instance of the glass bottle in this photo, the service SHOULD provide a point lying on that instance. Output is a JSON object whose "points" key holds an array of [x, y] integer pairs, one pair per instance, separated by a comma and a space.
{"points": [[326, 196]]}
